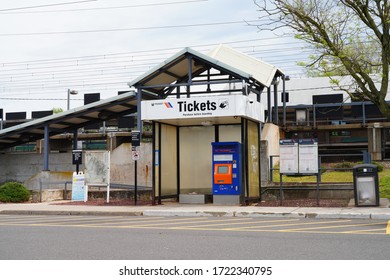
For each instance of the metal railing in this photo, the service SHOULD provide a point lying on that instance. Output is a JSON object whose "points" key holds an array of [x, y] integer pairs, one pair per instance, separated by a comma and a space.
{"points": [[366, 159], [43, 183]]}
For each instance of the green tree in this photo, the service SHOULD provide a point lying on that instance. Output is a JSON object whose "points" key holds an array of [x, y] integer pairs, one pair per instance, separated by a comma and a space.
{"points": [[57, 110], [348, 37]]}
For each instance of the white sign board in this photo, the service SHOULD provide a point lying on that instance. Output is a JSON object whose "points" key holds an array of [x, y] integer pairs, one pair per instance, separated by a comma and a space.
{"points": [[203, 107], [308, 158], [97, 167], [79, 189], [289, 158]]}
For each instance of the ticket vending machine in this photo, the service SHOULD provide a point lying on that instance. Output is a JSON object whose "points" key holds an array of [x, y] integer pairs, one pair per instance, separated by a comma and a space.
{"points": [[227, 173]]}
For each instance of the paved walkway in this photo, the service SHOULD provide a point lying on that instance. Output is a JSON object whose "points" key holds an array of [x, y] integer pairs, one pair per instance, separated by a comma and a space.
{"points": [[176, 209]]}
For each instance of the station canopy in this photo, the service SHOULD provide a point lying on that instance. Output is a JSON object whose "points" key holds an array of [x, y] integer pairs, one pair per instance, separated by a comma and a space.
{"points": [[186, 69], [189, 73], [177, 71], [69, 121]]}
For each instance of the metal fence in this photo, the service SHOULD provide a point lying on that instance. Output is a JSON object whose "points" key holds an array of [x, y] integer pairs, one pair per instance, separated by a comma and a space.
{"points": [[364, 156]]}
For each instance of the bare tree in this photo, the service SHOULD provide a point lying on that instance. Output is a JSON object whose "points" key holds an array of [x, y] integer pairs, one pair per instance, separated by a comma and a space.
{"points": [[348, 38]]}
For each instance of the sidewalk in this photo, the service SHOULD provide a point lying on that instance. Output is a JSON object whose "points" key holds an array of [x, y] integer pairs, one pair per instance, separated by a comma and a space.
{"points": [[188, 210]]}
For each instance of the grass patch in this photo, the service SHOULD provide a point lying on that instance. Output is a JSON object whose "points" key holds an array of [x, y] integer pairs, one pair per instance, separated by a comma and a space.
{"points": [[384, 187], [338, 177]]}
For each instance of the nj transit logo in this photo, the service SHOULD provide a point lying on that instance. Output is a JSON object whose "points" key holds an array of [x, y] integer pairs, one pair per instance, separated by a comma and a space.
{"points": [[168, 105]]}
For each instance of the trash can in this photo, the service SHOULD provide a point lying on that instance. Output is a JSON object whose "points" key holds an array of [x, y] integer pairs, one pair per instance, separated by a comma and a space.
{"points": [[365, 183]]}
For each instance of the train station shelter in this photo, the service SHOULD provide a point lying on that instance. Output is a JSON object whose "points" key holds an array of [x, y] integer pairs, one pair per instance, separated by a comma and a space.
{"points": [[205, 105]]}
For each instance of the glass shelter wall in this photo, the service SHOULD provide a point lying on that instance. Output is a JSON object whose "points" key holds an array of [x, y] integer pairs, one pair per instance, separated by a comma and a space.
{"points": [[195, 159], [168, 157]]}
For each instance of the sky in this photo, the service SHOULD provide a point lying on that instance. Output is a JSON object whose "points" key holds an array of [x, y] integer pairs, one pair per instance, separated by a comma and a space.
{"points": [[98, 46]]}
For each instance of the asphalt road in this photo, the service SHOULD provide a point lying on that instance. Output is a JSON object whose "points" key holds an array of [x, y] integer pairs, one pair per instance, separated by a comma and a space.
{"points": [[220, 238]]}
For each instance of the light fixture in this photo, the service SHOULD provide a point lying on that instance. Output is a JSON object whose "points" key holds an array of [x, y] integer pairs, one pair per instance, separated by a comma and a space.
{"points": [[70, 92]]}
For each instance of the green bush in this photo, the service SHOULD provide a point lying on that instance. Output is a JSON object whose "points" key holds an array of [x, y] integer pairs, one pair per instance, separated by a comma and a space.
{"points": [[14, 192], [350, 165], [379, 165], [345, 164]]}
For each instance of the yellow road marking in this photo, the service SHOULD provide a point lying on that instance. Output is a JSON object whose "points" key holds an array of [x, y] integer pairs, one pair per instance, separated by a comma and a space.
{"points": [[388, 228], [59, 224], [296, 224], [363, 230], [56, 219], [238, 223], [346, 226], [129, 221], [186, 221], [199, 229]]}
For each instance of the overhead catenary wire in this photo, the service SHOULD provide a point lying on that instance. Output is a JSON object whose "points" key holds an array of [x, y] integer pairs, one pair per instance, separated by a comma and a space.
{"points": [[46, 5], [52, 76], [139, 28], [99, 8]]}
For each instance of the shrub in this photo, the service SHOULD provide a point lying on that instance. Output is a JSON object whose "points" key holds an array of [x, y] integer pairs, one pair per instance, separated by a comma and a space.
{"points": [[379, 165], [14, 192], [345, 164], [350, 165]]}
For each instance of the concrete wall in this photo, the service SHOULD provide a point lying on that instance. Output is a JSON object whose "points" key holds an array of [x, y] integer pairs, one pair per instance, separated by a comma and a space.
{"points": [[264, 163], [122, 166], [270, 133], [27, 168], [22, 167]]}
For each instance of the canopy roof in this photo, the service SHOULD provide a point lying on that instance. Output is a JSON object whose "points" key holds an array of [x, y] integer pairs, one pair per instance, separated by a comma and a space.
{"points": [[70, 120], [177, 69]]}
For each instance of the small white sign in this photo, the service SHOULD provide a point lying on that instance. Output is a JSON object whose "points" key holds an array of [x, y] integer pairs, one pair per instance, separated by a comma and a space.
{"points": [[79, 189], [135, 155]]}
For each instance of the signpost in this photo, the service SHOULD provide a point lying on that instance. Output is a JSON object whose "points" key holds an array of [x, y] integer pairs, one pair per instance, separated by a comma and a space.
{"points": [[135, 144]]}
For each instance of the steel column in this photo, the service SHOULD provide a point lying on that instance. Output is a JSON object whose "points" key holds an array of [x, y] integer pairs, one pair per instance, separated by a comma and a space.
{"points": [[154, 163], [284, 99], [46, 148], [276, 121], [178, 162], [269, 117], [189, 76]]}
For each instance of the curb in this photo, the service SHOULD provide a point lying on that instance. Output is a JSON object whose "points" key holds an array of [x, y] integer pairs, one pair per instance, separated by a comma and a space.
{"points": [[197, 213], [69, 213]]}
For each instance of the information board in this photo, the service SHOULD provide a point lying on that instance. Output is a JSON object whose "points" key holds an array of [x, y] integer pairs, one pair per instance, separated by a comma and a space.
{"points": [[299, 157], [79, 189], [308, 156], [288, 157]]}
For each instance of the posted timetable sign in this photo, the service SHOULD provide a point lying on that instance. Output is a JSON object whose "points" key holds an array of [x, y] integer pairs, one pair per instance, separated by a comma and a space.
{"points": [[288, 157], [299, 157], [308, 156]]}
